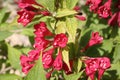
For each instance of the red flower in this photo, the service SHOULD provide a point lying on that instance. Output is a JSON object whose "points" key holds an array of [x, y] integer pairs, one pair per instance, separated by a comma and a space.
{"points": [[78, 16], [45, 13], [25, 63], [25, 17], [93, 4], [76, 8], [95, 39], [66, 69], [113, 20], [60, 40], [25, 3], [104, 63], [92, 65], [58, 62], [48, 75], [41, 30], [40, 43], [47, 59], [105, 10], [33, 55], [96, 64]]}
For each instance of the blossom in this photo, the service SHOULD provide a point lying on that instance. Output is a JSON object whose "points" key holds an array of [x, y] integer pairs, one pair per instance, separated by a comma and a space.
{"points": [[92, 65], [76, 8], [82, 18], [104, 11], [104, 63], [93, 4], [34, 55], [96, 64], [25, 17], [40, 43], [47, 59], [25, 3], [60, 40], [95, 39], [45, 13], [115, 19], [25, 63], [78, 15], [58, 62], [48, 75], [41, 30], [66, 69]]}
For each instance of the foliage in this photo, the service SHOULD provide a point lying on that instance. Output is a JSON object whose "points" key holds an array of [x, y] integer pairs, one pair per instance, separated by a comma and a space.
{"points": [[60, 17]]}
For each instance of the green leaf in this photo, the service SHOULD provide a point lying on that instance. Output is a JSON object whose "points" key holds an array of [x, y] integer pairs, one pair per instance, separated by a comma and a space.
{"points": [[28, 31], [14, 57], [4, 35], [65, 12], [60, 27], [71, 3], [116, 54], [116, 67], [65, 56], [79, 65], [49, 4], [107, 46], [10, 77], [74, 76], [2, 15], [71, 27], [37, 72]]}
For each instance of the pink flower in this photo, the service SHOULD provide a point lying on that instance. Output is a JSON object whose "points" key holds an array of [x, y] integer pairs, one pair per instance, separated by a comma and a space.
{"points": [[78, 16], [105, 10], [47, 59], [96, 64], [58, 62], [60, 40], [25, 17], [82, 18], [104, 63], [45, 13], [48, 75], [93, 4], [95, 39], [113, 20], [25, 63], [26, 68], [25, 3], [41, 30], [76, 8], [34, 55], [92, 65], [40, 43], [66, 69]]}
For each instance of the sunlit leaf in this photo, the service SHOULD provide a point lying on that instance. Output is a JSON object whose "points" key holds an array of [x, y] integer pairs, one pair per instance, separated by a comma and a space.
{"points": [[14, 57], [65, 12], [10, 77]]}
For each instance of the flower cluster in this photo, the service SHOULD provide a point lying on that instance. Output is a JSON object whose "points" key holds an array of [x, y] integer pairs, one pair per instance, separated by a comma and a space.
{"points": [[97, 7], [51, 45], [104, 10], [28, 11], [41, 43], [96, 64]]}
